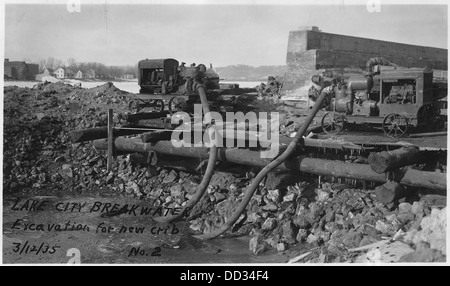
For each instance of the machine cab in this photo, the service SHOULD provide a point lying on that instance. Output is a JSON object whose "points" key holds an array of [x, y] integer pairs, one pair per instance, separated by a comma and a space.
{"points": [[153, 73], [405, 91]]}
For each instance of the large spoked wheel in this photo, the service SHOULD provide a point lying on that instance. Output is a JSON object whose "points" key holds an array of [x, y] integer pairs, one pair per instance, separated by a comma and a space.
{"points": [[134, 106], [176, 104], [333, 123], [158, 105], [395, 125]]}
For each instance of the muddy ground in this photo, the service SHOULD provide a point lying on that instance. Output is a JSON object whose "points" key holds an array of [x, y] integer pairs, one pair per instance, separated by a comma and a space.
{"points": [[60, 203]]}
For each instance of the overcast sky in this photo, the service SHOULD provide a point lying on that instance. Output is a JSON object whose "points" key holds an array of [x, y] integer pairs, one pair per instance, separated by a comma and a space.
{"points": [[219, 34]]}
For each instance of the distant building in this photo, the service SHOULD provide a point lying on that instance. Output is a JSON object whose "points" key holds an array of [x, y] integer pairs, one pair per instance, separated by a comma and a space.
{"points": [[59, 73], [48, 71], [79, 74], [20, 70]]}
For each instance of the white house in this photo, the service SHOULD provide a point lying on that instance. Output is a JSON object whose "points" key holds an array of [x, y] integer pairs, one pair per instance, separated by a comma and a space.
{"points": [[79, 74], [48, 71], [59, 73]]}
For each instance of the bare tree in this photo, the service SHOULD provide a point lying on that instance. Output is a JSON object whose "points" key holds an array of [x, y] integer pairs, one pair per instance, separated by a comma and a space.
{"points": [[58, 63], [42, 65], [50, 63], [72, 63]]}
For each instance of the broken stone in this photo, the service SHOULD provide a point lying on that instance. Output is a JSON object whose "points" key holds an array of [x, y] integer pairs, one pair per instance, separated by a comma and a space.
{"points": [[257, 245], [176, 191], [289, 232], [322, 195], [290, 197], [270, 208], [312, 238], [190, 186], [404, 207], [390, 217], [219, 197], [353, 239], [269, 224], [325, 236], [67, 170], [171, 177], [302, 222], [132, 188], [196, 224], [273, 195], [302, 235], [382, 227], [433, 231], [253, 217], [281, 247], [423, 254], [417, 208], [405, 217], [233, 188], [329, 216]]}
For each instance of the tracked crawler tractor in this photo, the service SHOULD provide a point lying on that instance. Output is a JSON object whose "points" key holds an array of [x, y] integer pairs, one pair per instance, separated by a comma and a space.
{"points": [[166, 82]]}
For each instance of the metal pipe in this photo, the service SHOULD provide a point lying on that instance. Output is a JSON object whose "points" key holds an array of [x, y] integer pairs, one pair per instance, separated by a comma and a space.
{"points": [[324, 167], [271, 166]]}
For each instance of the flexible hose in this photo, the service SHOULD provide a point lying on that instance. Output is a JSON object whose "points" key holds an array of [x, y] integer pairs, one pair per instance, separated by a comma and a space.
{"points": [[201, 188], [271, 166]]}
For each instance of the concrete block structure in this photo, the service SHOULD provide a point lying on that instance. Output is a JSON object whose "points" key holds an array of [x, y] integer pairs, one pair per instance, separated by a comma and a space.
{"points": [[20, 70], [310, 50]]}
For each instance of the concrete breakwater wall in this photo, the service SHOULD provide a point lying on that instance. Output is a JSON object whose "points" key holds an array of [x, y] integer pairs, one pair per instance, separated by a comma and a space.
{"points": [[310, 50]]}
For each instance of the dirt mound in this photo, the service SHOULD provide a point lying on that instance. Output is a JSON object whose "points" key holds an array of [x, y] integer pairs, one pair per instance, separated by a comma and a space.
{"points": [[37, 122]]}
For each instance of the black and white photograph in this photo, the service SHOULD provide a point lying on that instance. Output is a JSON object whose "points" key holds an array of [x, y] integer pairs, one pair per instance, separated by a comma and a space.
{"points": [[249, 133]]}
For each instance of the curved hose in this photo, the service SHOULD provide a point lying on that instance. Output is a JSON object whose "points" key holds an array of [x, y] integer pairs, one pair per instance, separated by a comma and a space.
{"points": [[271, 166], [201, 188]]}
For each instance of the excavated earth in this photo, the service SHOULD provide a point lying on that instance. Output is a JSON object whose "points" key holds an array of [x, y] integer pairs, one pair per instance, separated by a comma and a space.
{"points": [[60, 205]]}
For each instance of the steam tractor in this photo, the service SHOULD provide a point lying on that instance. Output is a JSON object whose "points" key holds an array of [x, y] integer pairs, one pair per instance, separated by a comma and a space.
{"points": [[395, 98]]}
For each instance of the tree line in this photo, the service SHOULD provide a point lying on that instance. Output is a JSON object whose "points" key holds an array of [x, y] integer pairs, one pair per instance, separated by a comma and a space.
{"points": [[98, 70]]}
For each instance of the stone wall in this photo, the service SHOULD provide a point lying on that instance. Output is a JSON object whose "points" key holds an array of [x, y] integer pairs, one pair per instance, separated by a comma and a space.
{"points": [[310, 50]]}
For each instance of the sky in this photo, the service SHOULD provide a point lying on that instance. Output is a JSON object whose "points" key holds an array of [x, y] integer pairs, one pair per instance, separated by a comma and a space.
{"points": [[117, 34]]}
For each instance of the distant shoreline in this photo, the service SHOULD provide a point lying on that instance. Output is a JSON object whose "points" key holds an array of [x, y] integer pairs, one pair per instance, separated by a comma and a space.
{"points": [[81, 80]]}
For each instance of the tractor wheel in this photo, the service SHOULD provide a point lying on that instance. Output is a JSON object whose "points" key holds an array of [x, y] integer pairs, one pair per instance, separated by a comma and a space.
{"points": [[158, 105], [134, 106], [395, 125], [333, 123]]}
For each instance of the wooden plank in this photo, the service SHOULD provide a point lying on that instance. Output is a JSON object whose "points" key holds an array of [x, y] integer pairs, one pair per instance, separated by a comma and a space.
{"points": [[83, 135], [110, 139], [434, 143]]}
